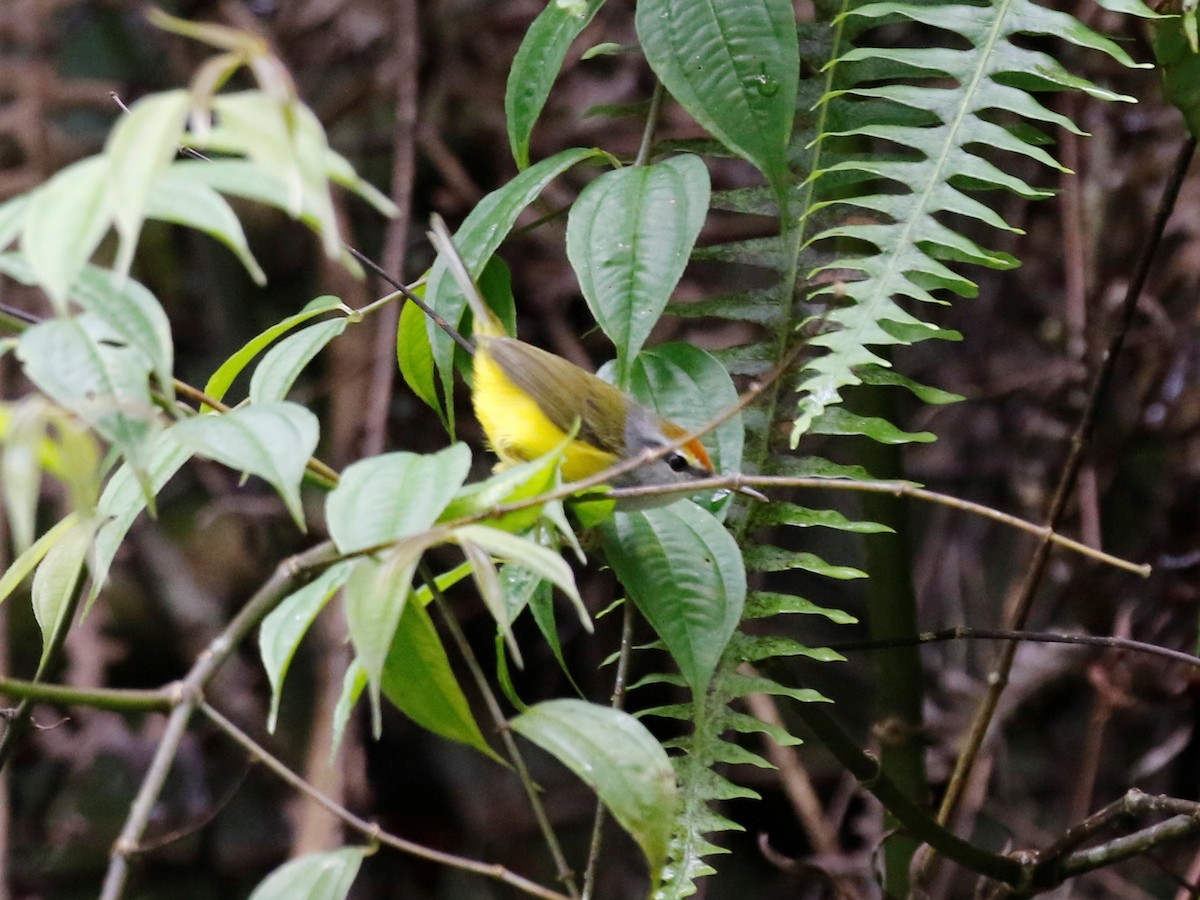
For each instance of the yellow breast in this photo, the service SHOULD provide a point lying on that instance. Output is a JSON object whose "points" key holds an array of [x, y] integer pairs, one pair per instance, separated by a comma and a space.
{"points": [[518, 430]]}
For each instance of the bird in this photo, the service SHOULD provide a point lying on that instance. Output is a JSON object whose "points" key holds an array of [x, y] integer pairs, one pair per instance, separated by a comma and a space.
{"points": [[528, 400]]}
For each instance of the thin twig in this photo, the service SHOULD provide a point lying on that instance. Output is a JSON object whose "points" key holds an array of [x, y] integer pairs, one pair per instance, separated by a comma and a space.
{"points": [[368, 829], [188, 694], [616, 701], [1038, 637], [565, 873], [998, 680]]}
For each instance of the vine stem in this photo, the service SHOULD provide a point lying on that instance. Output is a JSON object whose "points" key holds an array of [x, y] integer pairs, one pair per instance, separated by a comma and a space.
{"points": [[371, 830], [1018, 613], [617, 701], [565, 873], [187, 694]]}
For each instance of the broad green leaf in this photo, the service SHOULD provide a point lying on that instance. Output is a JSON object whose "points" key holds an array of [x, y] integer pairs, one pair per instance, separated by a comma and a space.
{"points": [[691, 388], [274, 376], [685, 573], [419, 680], [221, 379], [375, 597], [619, 759], [537, 559], [393, 496], [142, 144], [285, 626], [317, 876], [123, 499], [84, 364], [12, 218], [57, 578], [734, 66], [1179, 58], [31, 556], [271, 440], [67, 217], [537, 63], [477, 239], [628, 238], [189, 202]]}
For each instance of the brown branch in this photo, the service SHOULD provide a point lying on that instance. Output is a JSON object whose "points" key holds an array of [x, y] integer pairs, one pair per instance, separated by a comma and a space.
{"points": [[368, 829], [1019, 613]]}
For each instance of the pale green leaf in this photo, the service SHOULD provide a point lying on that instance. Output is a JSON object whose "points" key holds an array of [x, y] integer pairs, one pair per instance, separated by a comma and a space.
{"points": [[67, 217], [285, 626], [271, 440], [393, 496], [140, 146], [619, 759], [278, 370], [317, 876]]}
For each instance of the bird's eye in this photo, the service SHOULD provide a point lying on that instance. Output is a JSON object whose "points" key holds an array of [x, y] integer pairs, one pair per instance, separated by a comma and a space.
{"points": [[678, 462]]}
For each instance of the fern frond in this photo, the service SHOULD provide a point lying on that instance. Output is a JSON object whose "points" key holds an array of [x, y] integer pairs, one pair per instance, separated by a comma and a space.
{"points": [[938, 131]]}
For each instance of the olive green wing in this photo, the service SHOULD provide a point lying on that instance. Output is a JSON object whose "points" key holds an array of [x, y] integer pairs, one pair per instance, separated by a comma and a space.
{"points": [[565, 392]]}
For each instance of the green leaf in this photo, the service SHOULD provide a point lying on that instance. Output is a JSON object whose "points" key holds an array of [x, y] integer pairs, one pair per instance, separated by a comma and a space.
{"points": [[274, 376], [67, 217], [271, 440], [537, 63], [187, 201], [57, 578], [1179, 59], [477, 239], [12, 218], [375, 598], [22, 436], [537, 559], [393, 496], [285, 139], [419, 680], [734, 66], [285, 626], [619, 759], [123, 500], [316, 876], [685, 573], [221, 379], [414, 355], [82, 363], [628, 238], [510, 485], [127, 306], [142, 145], [32, 555]]}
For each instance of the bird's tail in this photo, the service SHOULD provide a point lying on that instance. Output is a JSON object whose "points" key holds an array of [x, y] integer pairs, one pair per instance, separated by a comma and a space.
{"points": [[486, 321]]}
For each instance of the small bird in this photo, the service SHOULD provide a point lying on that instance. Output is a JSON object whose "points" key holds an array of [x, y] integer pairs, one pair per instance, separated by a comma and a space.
{"points": [[528, 400]]}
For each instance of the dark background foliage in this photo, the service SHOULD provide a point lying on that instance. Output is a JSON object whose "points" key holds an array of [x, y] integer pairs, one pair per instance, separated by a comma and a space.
{"points": [[1078, 726]]}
